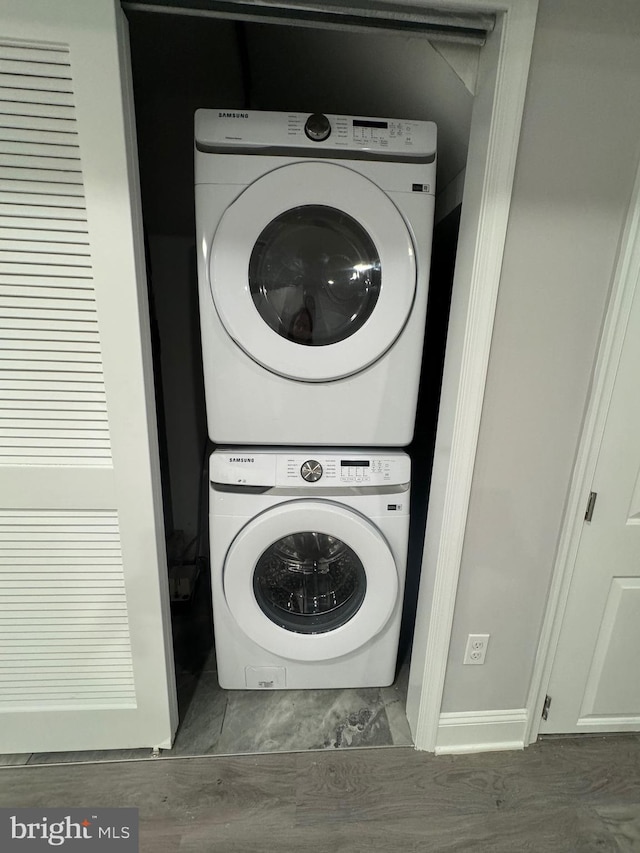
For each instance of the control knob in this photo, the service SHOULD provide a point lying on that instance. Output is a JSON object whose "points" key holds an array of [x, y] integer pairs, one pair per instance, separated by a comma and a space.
{"points": [[311, 471], [317, 127]]}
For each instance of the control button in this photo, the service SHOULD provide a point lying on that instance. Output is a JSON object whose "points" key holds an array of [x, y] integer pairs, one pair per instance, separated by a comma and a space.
{"points": [[318, 127], [311, 471]]}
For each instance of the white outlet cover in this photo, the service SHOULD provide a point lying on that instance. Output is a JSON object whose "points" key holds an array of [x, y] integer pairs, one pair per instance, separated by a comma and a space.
{"points": [[476, 649]]}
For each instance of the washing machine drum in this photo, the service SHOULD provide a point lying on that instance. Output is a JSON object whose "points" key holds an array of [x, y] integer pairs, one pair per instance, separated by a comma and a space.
{"points": [[312, 271], [310, 580]]}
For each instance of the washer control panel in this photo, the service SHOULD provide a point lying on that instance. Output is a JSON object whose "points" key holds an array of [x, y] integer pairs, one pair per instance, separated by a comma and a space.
{"points": [[255, 131], [333, 470], [309, 469]]}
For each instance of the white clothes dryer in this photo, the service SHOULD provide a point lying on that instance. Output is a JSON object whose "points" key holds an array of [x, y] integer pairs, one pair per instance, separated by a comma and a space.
{"points": [[314, 244], [308, 561]]}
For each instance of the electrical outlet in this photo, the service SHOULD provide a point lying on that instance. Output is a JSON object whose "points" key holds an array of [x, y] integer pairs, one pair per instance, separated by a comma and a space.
{"points": [[476, 649]]}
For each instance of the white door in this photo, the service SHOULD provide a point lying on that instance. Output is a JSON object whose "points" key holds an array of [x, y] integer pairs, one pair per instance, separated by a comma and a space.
{"points": [[310, 580], [85, 647], [312, 271], [595, 681]]}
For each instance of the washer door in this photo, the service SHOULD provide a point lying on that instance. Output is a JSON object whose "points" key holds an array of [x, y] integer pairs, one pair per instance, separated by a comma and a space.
{"points": [[310, 580], [312, 271]]}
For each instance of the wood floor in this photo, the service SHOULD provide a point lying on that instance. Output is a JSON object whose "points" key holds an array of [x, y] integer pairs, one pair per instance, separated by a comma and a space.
{"points": [[562, 795]]}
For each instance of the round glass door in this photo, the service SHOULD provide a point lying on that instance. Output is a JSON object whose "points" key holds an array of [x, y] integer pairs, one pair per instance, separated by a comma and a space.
{"points": [[312, 271], [309, 582], [314, 275]]}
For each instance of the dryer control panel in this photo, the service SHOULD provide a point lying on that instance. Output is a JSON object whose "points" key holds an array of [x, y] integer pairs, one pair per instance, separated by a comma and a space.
{"points": [[309, 469], [315, 134]]}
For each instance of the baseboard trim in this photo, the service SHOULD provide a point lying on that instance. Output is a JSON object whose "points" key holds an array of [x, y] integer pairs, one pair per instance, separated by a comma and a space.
{"points": [[481, 731]]}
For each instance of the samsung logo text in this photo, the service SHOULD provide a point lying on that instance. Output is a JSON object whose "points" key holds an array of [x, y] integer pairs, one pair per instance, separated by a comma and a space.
{"points": [[233, 115]]}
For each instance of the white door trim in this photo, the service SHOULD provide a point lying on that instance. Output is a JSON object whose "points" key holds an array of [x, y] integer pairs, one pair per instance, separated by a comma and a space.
{"points": [[626, 279], [493, 144]]}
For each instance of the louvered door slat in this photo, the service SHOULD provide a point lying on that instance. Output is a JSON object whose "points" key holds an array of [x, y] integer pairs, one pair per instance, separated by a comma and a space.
{"points": [[39, 161], [84, 441], [12, 658], [35, 197], [62, 299], [62, 340], [43, 53], [23, 207], [31, 176], [44, 328], [82, 356], [21, 81], [73, 280], [52, 562], [58, 433], [29, 95], [43, 635], [43, 145], [56, 316], [12, 106], [77, 396], [50, 417], [75, 264], [23, 67], [40, 460], [10, 585], [42, 389], [54, 408], [60, 228], [27, 134], [28, 187], [40, 379]]}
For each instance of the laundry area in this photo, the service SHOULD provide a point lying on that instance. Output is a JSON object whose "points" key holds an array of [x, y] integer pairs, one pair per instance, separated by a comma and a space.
{"points": [[277, 375], [183, 63], [145, 392]]}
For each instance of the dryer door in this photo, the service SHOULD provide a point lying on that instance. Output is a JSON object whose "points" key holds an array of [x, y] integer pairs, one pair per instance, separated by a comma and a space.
{"points": [[312, 271], [310, 580]]}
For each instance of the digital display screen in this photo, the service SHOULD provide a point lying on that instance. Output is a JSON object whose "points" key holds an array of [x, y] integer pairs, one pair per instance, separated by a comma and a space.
{"points": [[383, 125], [345, 463]]}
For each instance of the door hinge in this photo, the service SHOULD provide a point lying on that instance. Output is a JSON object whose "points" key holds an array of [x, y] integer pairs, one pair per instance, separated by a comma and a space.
{"points": [[590, 505], [545, 707]]}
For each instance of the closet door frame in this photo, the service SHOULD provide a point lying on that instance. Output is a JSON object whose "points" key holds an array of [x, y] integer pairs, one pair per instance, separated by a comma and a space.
{"points": [[493, 143], [497, 115]]}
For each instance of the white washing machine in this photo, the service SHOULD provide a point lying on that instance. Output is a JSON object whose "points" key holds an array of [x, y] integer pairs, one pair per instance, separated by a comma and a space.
{"points": [[308, 560], [314, 243]]}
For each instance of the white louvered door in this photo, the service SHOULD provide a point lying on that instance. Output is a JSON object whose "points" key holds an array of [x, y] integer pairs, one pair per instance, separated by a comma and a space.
{"points": [[85, 645]]}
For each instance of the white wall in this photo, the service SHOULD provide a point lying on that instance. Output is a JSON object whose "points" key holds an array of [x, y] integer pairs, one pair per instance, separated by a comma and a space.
{"points": [[579, 148]]}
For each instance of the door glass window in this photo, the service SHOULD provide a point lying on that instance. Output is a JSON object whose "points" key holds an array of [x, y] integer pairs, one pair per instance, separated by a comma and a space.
{"points": [[314, 275], [309, 582]]}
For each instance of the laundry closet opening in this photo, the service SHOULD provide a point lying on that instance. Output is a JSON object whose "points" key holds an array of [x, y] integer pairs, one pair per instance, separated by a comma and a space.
{"points": [[182, 63]]}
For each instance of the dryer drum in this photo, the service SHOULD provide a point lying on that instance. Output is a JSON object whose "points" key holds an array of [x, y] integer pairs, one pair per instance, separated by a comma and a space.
{"points": [[309, 582]]}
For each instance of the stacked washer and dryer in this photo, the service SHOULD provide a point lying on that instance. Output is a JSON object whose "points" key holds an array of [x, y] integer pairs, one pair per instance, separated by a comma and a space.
{"points": [[314, 245]]}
